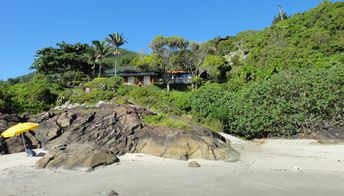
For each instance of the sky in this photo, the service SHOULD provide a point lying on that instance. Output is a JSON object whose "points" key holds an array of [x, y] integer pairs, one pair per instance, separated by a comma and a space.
{"points": [[26, 26]]}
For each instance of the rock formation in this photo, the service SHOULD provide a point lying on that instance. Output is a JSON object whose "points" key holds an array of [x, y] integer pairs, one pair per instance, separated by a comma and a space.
{"points": [[80, 157], [184, 144], [120, 129]]}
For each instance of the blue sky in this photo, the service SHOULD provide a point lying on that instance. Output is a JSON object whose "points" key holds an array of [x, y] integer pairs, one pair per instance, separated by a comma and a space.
{"points": [[26, 26]]}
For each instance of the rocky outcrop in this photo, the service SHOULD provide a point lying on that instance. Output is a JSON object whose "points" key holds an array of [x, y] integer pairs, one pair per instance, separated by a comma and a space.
{"points": [[111, 126], [79, 157], [120, 129]]}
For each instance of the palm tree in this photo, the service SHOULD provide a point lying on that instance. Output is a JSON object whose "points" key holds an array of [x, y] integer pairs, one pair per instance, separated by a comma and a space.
{"points": [[100, 51], [116, 40], [92, 58]]}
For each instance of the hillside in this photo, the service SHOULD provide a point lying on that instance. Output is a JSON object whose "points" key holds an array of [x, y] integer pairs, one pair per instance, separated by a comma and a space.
{"points": [[123, 59], [314, 38]]}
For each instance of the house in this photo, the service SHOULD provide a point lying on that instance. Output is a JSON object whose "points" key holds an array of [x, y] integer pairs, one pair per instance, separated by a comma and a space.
{"points": [[180, 77], [139, 78], [133, 76]]}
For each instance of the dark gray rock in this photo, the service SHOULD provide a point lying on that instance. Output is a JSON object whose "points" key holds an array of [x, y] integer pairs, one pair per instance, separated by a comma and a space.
{"points": [[112, 193]]}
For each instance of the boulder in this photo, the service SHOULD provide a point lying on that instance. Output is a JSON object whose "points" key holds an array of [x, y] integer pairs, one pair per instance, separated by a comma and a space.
{"points": [[78, 157], [184, 145], [194, 164]]}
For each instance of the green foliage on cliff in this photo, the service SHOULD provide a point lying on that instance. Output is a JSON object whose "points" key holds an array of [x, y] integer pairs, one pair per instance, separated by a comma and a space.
{"points": [[311, 39], [34, 96]]}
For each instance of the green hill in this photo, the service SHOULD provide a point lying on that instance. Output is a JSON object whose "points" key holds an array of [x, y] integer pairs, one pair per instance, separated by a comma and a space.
{"points": [[314, 38], [123, 59]]}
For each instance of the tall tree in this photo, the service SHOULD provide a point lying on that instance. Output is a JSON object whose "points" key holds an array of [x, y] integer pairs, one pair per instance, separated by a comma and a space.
{"points": [[194, 58], [216, 67], [100, 51], [92, 59], [164, 48], [116, 40], [54, 62]]}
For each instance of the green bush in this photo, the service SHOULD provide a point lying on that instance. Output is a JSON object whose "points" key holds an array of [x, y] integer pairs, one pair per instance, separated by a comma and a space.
{"points": [[34, 96], [173, 102], [293, 101], [6, 104], [77, 95], [110, 84], [165, 121], [73, 78]]}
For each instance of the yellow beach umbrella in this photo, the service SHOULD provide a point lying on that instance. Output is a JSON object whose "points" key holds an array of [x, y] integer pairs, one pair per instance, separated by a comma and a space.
{"points": [[19, 129]]}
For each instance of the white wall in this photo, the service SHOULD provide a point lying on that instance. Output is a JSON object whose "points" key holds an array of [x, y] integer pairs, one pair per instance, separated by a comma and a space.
{"points": [[131, 80], [146, 80]]}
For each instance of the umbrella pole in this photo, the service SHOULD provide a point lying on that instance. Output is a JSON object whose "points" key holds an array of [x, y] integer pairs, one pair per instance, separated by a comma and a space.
{"points": [[23, 141]]}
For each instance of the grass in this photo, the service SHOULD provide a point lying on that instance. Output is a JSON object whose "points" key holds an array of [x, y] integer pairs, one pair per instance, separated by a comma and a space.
{"points": [[166, 121]]}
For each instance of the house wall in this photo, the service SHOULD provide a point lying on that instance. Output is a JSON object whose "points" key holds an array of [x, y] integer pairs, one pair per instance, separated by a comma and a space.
{"points": [[146, 80], [131, 80], [183, 78]]}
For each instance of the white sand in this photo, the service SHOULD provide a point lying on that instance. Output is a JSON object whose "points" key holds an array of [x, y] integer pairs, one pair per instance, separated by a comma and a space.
{"points": [[268, 167]]}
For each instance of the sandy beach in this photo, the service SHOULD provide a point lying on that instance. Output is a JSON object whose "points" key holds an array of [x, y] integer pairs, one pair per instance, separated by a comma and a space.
{"points": [[267, 167]]}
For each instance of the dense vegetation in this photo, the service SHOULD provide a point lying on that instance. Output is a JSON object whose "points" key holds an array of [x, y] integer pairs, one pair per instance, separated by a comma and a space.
{"points": [[281, 81]]}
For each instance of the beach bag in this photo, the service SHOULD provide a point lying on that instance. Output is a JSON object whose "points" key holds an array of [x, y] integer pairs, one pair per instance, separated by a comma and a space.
{"points": [[30, 152]]}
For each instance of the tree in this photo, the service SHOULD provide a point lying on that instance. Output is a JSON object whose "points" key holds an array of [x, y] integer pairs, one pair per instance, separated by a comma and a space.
{"points": [[216, 67], [198, 53], [116, 40], [279, 17], [92, 59], [100, 51], [164, 48], [5, 98], [54, 62], [144, 62], [282, 15]]}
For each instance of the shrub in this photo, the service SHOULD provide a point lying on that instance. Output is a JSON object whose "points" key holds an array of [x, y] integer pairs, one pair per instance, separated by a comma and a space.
{"points": [[165, 121], [5, 99], [290, 102], [77, 95], [110, 84], [34, 96], [73, 78]]}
